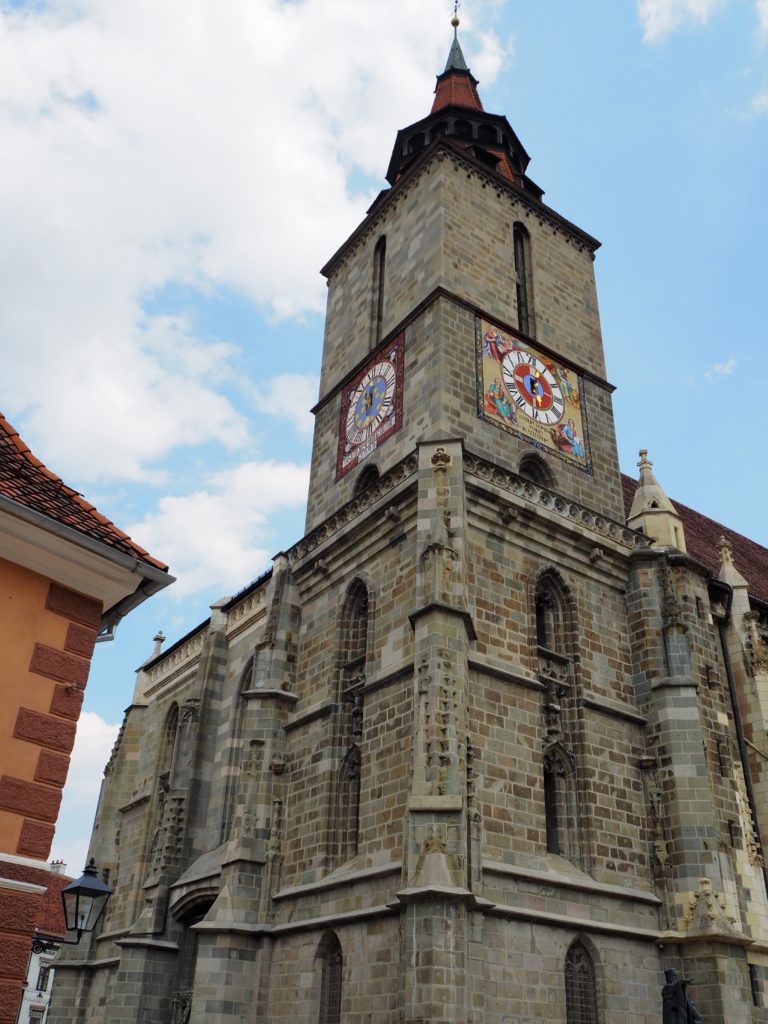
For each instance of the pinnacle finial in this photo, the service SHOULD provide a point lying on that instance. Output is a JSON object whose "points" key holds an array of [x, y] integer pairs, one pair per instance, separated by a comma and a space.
{"points": [[455, 19]]}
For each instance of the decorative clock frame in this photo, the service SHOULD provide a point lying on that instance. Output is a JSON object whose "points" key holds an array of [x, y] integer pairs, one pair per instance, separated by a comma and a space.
{"points": [[523, 391], [371, 406]]}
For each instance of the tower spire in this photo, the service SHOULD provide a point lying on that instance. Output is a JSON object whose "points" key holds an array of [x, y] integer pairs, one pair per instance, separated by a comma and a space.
{"points": [[457, 86]]}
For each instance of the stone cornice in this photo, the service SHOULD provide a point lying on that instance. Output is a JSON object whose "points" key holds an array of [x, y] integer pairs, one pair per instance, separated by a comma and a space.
{"points": [[399, 473], [565, 508]]}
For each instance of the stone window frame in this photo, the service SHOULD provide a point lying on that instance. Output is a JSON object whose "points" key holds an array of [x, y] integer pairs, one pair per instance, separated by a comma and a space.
{"points": [[237, 732], [377, 289], [580, 976], [331, 967], [523, 267], [533, 467]]}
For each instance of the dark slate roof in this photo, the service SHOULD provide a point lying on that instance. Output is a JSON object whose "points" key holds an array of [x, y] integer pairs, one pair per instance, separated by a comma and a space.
{"points": [[456, 60], [702, 536], [24, 479]]}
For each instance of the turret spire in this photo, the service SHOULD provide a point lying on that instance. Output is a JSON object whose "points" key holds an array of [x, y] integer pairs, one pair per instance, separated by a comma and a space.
{"points": [[457, 86]]}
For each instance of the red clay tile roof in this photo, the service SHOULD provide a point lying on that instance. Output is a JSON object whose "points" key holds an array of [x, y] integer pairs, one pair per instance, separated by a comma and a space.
{"points": [[50, 919], [456, 90], [25, 479], [701, 538]]}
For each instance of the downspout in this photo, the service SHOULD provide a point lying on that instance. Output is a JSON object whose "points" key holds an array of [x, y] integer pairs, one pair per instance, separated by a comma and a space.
{"points": [[737, 722]]}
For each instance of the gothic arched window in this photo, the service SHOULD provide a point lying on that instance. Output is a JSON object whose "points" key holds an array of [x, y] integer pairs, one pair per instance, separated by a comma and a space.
{"points": [[521, 245], [235, 752], [354, 638], [170, 732], [367, 479], [377, 300], [330, 979], [533, 468], [580, 987], [551, 615]]}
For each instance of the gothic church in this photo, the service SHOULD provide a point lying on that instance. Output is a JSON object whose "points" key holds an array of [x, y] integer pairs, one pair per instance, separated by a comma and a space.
{"points": [[488, 744]]}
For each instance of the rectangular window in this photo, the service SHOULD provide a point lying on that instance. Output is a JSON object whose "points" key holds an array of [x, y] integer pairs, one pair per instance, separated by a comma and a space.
{"points": [[43, 977]]}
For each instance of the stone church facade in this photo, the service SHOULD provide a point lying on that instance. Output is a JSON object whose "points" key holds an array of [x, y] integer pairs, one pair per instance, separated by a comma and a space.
{"points": [[488, 743]]}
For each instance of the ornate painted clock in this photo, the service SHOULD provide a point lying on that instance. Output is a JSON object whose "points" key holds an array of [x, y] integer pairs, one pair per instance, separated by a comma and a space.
{"points": [[371, 406], [523, 391]]}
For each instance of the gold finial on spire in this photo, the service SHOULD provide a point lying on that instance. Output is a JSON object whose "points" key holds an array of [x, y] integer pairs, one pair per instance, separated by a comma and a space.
{"points": [[455, 19]]}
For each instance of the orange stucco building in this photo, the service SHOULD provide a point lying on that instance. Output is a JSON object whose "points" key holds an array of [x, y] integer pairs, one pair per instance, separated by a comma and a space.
{"points": [[67, 575]]}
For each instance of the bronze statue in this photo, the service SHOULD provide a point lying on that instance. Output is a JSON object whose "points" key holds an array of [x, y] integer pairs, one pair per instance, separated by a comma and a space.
{"points": [[678, 1008]]}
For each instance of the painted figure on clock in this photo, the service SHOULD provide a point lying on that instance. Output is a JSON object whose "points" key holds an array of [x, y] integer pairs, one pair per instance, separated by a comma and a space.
{"points": [[525, 392], [371, 407]]}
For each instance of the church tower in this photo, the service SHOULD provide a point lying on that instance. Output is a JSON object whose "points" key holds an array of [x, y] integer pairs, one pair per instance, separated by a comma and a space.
{"points": [[470, 753]]}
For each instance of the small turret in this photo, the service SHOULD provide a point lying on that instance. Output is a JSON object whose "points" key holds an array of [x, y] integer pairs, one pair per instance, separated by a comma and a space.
{"points": [[652, 512]]}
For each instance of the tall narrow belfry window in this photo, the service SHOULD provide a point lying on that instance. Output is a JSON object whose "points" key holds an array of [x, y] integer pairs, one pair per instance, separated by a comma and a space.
{"points": [[330, 980], [377, 300], [521, 244], [580, 987]]}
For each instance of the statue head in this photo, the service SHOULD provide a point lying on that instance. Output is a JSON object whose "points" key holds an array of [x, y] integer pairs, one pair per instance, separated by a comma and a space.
{"points": [[671, 976]]}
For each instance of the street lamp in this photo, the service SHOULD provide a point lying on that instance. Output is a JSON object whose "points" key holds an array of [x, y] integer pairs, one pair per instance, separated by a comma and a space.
{"points": [[84, 900]]}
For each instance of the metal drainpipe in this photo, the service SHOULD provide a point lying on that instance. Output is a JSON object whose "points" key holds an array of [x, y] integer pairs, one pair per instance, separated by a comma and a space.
{"points": [[737, 721]]}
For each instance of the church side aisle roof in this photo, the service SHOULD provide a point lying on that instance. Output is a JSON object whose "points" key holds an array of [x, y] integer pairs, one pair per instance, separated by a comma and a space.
{"points": [[25, 480], [702, 536]]}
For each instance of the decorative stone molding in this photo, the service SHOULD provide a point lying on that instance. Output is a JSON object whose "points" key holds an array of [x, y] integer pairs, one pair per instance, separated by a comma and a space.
{"points": [[569, 510], [354, 508]]}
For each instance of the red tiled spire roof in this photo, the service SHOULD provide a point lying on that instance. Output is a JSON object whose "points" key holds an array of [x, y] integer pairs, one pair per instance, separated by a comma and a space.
{"points": [[24, 479], [701, 539], [456, 86]]}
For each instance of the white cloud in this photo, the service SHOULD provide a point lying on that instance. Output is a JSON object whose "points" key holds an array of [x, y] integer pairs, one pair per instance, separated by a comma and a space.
{"points": [[93, 745], [759, 104], [202, 142], [659, 18], [762, 15], [290, 396], [218, 536], [722, 369]]}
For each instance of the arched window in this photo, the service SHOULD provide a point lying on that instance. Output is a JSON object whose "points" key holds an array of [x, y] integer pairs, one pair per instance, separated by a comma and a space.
{"points": [[377, 299], [463, 129], [170, 732], [488, 134], [354, 638], [533, 468], [551, 616], [560, 807], [332, 962], [235, 752], [367, 478], [521, 244], [580, 987]]}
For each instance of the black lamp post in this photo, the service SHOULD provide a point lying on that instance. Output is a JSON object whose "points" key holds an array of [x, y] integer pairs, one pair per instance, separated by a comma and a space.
{"points": [[84, 900]]}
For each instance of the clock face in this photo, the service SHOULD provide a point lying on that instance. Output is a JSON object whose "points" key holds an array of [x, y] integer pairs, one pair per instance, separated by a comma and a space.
{"points": [[532, 387], [371, 402], [524, 392], [371, 407]]}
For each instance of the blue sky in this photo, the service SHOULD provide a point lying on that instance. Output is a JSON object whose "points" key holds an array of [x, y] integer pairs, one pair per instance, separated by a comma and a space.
{"points": [[181, 171]]}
